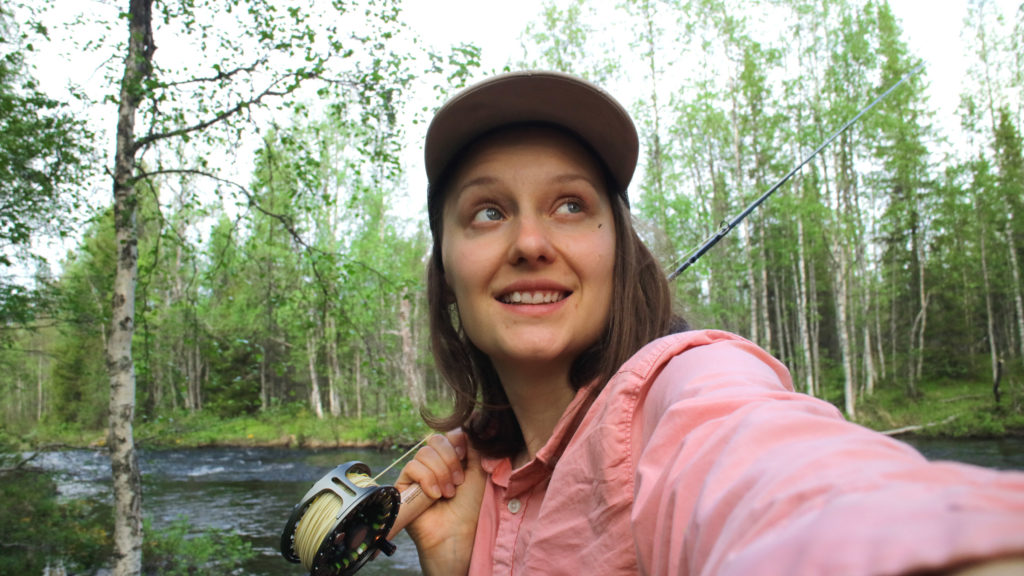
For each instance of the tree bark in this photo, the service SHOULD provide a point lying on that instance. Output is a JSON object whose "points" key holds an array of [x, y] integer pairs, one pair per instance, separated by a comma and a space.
{"points": [[315, 400], [922, 296], [762, 262], [358, 383], [39, 391], [754, 312], [989, 316], [335, 405], [803, 310], [842, 326], [815, 325], [413, 383], [840, 272], [127, 481], [1018, 299]]}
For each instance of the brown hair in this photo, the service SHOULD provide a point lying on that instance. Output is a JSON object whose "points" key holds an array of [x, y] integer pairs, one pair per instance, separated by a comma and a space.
{"points": [[641, 312]]}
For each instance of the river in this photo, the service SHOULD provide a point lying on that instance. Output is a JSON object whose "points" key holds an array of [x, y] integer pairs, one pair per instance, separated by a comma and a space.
{"points": [[251, 491]]}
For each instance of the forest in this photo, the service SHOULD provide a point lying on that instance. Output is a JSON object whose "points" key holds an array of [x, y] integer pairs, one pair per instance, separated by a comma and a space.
{"points": [[264, 234], [244, 239]]}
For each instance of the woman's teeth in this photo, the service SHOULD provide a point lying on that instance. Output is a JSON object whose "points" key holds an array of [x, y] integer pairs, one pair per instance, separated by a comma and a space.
{"points": [[532, 297]]}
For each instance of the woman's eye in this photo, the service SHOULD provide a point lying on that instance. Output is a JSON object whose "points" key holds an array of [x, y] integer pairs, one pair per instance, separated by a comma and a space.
{"points": [[489, 214], [570, 207]]}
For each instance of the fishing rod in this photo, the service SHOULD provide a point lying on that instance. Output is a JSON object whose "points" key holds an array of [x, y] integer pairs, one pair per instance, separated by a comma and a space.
{"points": [[346, 519], [728, 226]]}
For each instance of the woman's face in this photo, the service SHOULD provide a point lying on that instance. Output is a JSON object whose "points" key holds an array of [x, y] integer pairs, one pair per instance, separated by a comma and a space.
{"points": [[528, 247]]}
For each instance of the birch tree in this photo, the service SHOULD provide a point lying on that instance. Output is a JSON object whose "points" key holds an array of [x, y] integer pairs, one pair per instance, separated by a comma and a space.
{"points": [[271, 52]]}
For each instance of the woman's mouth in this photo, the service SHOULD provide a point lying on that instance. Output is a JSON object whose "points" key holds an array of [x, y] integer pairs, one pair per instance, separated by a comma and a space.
{"points": [[534, 297]]}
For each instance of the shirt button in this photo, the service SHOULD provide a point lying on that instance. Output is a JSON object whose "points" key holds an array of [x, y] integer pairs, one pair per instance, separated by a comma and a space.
{"points": [[514, 505]]}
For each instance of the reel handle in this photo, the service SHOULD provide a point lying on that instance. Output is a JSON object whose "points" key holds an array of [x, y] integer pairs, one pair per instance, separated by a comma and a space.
{"points": [[413, 502]]}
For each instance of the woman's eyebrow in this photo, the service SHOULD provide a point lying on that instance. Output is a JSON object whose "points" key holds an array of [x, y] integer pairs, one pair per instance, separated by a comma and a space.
{"points": [[478, 181], [569, 177], [563, 178]]}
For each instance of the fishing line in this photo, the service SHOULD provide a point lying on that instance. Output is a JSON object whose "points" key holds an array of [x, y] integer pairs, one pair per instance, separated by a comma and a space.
{"points": [[343, 521], [728, 226]]}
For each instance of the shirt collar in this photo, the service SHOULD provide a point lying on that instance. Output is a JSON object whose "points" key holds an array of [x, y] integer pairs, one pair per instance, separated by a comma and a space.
{"points": [[500, 469]]}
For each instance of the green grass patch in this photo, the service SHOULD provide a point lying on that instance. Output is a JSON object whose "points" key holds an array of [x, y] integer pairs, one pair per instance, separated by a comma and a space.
{"points": [[291, 425], [950, 408]]}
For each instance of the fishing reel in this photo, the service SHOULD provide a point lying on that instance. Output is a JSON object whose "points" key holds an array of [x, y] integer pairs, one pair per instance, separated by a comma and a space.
{"points": [[342, 522]]}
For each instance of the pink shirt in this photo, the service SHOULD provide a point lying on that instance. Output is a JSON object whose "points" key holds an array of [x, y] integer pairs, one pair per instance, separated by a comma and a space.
{"points": [[699, 458]]}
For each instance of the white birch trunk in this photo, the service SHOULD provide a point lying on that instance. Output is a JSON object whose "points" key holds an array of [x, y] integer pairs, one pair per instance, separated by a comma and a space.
{"points": [[316, 403], [1018, 299], [413, 383], [195, 379], [842, 328], [880, 348], [39, 391], [815, 327], [264, 392], [922, 295], [124, 464], [840, 268], [803, 311], [762, 261], [126, 478], [989, 316], [359, 384], [755, 301], [869, 366], [334, 369]]}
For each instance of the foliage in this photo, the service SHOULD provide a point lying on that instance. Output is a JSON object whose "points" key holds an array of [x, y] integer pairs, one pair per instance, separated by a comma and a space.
{"points": [[79, 377], [44, 152], [176, 551], [40, 530], [964, 407], [291, 284]]}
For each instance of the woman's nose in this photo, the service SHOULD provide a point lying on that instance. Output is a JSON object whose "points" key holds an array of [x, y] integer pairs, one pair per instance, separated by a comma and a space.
{"points": [[530, 242]]}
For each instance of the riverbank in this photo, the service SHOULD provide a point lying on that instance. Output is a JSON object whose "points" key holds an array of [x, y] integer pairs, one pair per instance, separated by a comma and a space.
{"points": [[946, 409], [942, 410], [291, 427]]}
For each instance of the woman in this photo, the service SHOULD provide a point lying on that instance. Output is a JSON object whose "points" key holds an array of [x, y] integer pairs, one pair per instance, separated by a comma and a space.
{"points": [[591, 434]]}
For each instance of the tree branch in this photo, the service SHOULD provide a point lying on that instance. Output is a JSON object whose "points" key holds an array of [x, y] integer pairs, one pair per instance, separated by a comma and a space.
{"points": [[221, 75], [222, 116]]}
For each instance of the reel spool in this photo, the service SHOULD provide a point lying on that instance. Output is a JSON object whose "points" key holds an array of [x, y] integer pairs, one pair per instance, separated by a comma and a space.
{"points": [[341, 523]]}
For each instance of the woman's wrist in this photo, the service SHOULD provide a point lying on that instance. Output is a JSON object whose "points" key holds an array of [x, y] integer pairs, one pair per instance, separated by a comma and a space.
{"points": [[446, 559]]}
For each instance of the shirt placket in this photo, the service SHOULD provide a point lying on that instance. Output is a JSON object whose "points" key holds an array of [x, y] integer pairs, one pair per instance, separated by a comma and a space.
{"points": [[513, 515]]}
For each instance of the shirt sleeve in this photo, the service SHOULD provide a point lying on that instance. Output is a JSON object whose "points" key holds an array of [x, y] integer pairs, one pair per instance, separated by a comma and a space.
{"points": [[737, 474]]}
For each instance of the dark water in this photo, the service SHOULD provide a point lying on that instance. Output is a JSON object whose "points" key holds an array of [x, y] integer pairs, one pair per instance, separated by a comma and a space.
{"points": [[251, 491], [1002, 453]]}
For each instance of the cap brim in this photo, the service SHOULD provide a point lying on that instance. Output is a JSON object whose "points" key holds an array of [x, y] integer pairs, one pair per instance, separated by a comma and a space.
{"points": [[534, 97]]}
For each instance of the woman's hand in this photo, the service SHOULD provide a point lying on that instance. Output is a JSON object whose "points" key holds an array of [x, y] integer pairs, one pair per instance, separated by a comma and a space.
{"points": [[447, 470]]}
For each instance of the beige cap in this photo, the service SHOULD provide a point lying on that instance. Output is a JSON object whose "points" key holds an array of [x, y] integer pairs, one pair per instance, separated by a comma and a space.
{"points": [[534, 97]]}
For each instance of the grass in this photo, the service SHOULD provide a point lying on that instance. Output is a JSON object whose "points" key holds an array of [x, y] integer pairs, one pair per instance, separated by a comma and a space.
{"points": [[949, 408], [291, 426]]}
